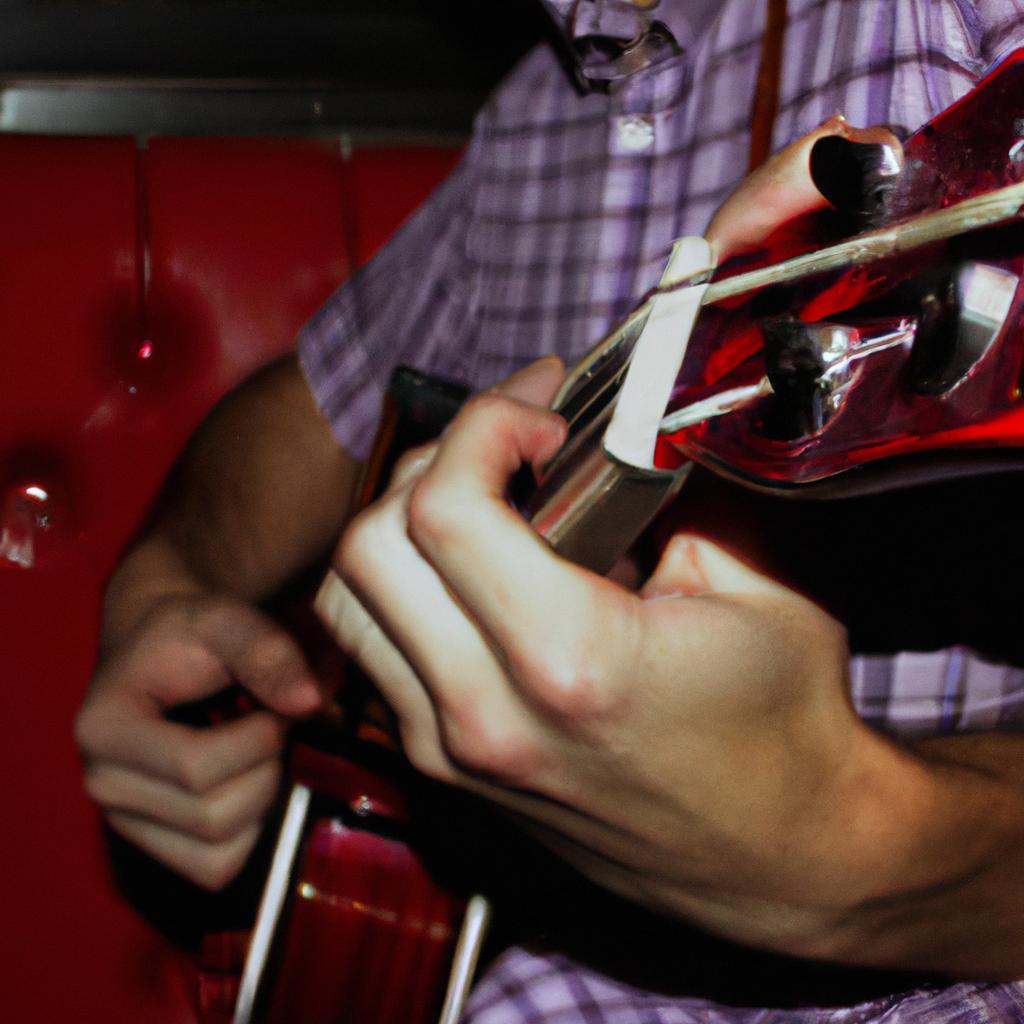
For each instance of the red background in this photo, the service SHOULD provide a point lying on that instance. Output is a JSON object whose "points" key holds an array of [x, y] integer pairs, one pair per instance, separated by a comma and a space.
{"points": [[136, 286]]}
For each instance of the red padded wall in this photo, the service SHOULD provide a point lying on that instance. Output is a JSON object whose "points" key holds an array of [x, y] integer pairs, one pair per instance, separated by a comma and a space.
{"points": [[136, 286], [393, 182], [69, 261]]}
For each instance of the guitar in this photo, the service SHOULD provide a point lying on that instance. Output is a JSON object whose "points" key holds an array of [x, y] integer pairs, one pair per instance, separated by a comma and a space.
{"points": [[882, 359]]}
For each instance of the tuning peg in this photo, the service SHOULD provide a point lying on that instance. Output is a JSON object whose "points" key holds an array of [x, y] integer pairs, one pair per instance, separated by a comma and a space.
{"points": [[856, 170]]}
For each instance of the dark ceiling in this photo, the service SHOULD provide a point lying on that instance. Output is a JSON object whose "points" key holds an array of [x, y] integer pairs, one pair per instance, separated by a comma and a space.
{"points": [[426, 63]]}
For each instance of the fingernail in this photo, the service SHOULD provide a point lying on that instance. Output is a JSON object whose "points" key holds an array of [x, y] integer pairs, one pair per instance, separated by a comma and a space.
{"points": [[303, 696]]}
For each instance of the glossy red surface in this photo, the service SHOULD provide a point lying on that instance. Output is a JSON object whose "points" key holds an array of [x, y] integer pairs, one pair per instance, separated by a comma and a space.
{"points": [[353, 786], [974, 147], [370, 933], [105, 372]]}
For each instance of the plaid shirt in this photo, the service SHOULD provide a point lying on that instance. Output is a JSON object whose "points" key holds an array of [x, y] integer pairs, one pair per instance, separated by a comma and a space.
{"points": [[561, 214]]}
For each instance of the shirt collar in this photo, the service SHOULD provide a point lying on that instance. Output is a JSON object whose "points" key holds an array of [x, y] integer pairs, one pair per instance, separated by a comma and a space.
{"points": [[613, 39]]}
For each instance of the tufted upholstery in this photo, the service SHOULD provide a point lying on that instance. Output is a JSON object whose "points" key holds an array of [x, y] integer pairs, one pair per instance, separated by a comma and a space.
{"points": [[136, 286]]}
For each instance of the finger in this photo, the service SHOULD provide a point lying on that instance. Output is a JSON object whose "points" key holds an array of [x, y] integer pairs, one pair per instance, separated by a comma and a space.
{"points": [[411, 465], [211, 865], [536, 384], [124, 730], [261, 656], [691, 565], [537, 609], [778, 191], [196, 648], [480, 719], [330, 604], [216, 816], [538, 381], [359, 635]]}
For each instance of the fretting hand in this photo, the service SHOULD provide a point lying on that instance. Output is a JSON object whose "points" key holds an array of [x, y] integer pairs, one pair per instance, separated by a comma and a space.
{"points": [[672, 743], [691, 745]]}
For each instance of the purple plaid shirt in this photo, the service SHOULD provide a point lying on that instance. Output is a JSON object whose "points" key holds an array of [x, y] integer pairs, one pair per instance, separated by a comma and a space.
{"points": [[561, 214]]}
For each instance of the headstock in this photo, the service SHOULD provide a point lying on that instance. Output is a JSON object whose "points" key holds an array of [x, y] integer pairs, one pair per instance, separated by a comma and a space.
{"points": [[889, 327]]}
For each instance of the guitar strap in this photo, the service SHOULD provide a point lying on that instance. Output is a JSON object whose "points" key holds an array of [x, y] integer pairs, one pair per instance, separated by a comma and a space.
{"points": [[765, 103]]}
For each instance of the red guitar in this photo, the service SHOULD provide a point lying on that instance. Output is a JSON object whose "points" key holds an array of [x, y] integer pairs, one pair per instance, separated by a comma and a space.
{"points": [[833, 371]]}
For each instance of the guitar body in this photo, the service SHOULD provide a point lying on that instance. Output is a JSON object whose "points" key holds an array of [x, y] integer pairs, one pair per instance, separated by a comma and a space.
{"points": [[365, 931]]}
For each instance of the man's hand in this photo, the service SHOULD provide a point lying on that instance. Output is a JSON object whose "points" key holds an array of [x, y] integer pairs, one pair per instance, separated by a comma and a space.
{"points": [[672, 743], [193, 798], [692, 746], [261, 491], [781, 191]]}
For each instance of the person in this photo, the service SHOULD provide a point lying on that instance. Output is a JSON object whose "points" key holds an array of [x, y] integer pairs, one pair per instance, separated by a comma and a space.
{"points": [[692, 744]]}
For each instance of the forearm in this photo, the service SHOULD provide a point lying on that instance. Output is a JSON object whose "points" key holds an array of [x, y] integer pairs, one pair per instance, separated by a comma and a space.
{"points": [[261, 491], [911, 860]]}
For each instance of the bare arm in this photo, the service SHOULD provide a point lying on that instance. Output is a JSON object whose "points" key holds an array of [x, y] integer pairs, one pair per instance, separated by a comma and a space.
{"points": [[939, 881], [733, 785], [261, 491]]}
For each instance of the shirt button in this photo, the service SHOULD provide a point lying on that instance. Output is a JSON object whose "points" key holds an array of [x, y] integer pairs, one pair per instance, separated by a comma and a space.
{"points": [[636, 133]]}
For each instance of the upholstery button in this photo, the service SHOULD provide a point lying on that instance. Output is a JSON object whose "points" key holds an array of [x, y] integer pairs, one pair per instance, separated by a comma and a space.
{"points": [[143, 353], [162, 361], [34, 521]]}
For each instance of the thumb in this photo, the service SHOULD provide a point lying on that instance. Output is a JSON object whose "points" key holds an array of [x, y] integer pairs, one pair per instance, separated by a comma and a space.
{"points": [[262, 657], [780, 190], [692, 565], [536, 384]]}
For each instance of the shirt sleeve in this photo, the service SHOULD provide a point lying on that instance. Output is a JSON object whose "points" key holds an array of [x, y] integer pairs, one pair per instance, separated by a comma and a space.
{"points": [[995, 28], [1000, 28], [915, 694], [410, 305]]}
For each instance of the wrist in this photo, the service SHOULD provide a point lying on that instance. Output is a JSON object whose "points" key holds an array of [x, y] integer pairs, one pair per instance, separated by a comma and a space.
{"points": [[924, 863], [151, 572]]}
